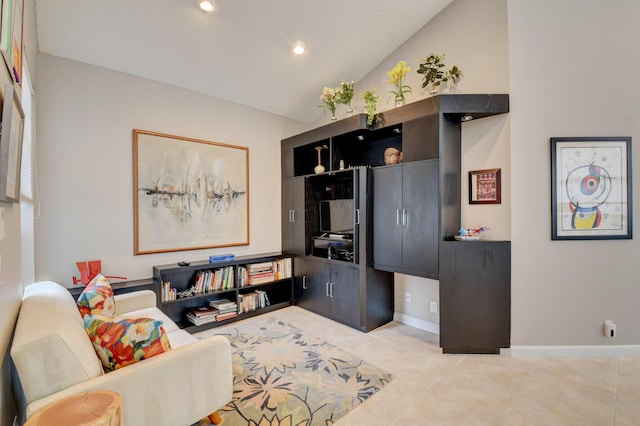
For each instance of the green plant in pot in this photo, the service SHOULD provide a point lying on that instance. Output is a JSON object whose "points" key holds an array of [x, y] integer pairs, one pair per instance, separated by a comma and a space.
{"points": [[344, 94], [370, 101], [434, 74]]}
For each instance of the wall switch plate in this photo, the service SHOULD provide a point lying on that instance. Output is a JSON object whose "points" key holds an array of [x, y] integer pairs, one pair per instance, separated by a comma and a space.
{"points": [[433, 307], [407, 297]]}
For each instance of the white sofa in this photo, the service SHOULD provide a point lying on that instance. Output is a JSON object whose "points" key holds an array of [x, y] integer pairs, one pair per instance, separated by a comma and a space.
{"points": [[54, 359]]}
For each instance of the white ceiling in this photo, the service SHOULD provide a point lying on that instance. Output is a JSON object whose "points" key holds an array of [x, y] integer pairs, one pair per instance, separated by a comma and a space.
{"points": [[242, 51]]}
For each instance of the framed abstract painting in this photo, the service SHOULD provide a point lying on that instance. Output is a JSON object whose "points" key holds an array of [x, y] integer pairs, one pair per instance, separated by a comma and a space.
{"points": [[591, 188], [189, 193]]}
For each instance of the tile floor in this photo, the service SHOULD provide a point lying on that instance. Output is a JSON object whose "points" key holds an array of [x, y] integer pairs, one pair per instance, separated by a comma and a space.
{"points": [[430, 388]]}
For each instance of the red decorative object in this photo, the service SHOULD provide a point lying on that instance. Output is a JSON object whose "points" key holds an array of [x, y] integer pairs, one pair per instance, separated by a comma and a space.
{"points": [[88, 270]]}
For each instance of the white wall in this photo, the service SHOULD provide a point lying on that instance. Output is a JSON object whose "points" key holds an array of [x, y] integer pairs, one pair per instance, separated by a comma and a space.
{"points": [[473, 35], [11, 246], [86, 116], [575, 71]]}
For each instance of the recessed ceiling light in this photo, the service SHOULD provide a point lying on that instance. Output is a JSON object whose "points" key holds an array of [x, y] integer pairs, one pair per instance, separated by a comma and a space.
{"points": [[298, 47], [207, 5]]}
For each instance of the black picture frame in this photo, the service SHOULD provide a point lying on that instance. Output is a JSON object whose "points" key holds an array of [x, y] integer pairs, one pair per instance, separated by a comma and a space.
{"points": [[11, 137], [591, 188]]}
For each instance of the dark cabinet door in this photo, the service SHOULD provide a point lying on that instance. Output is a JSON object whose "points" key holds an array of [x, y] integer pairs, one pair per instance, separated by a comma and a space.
{"points": [[293, 216], [344, 294], [387, 212], [318, 282], [420, 218], [475, 296], [406, 218], [301, 295], [329, 289]]}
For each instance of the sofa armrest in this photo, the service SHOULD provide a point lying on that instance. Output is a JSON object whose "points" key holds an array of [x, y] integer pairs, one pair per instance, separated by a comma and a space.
{"points": [[134, 301], [178, 387]]}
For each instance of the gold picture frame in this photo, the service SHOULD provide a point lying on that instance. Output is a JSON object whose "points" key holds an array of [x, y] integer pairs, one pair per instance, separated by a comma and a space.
{"points": [[189, 193]]}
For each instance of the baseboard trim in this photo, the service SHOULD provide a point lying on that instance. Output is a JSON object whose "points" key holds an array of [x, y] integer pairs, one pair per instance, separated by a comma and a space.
{"points": [[421, 324], [572, 351]]}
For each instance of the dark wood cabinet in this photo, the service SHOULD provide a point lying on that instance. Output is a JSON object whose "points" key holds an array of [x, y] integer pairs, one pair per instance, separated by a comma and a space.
{"points": [[475, 296], [333, 289], [311, 286], [344, 292], [407, 213], [334, 279], [406, 218], [293, 216]]}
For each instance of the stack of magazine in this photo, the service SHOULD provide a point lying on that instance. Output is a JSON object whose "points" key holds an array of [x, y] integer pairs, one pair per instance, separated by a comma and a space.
{"points": [[226, 309], [202, 314]]}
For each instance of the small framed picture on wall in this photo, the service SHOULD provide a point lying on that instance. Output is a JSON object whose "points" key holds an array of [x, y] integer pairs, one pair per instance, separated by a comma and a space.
{"points": [[484, 186]]}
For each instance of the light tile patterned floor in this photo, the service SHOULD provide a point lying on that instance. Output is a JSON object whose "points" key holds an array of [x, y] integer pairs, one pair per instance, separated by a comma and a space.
{"points": [[435, 389]]}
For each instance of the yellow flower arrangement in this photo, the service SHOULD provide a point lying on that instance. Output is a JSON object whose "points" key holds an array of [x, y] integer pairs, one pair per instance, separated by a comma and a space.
{"points": [[396, 77]]}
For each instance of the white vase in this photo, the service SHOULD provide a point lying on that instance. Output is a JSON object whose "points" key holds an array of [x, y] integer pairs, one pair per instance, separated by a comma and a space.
{"points": [[319, 168]]}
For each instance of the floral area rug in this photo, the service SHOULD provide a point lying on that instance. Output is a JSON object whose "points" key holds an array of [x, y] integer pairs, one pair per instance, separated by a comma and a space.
{"points": [[282, 377]]}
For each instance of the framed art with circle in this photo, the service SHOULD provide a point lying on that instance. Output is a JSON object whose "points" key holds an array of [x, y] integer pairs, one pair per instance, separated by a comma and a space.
{"points": [[591, 188]]}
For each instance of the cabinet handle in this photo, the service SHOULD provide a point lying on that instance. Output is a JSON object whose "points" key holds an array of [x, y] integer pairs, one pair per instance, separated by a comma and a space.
{"points": [[330, 289], [328, 283], [405, 217], [398, 217], [357, 216], [293, 216], [304, 282]]}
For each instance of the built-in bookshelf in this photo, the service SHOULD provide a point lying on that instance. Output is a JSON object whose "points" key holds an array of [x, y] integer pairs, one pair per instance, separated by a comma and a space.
{"points": [[207, 294]]}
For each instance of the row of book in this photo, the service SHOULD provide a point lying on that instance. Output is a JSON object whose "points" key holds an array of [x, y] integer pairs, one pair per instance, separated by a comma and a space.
{"points": [[264, 272], [215, 280], [223, 278], [167, 292], [251, 301]]}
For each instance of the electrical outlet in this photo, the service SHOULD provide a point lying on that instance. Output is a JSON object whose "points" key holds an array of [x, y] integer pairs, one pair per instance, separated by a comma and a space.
{"points": [[609, 328], [433, 307], [407, 297]]}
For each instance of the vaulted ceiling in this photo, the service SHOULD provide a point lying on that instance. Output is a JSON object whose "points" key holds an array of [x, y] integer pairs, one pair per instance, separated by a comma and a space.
{"points": [[240, 52]]}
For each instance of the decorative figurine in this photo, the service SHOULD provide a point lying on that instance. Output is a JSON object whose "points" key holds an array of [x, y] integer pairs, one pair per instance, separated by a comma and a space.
{"points": [[392, 155], [472, 234], [319, 168]]}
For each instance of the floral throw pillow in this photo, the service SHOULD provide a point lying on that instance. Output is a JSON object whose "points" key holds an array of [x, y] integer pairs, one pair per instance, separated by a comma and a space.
{"points": [[97, 298], [120, 342]]}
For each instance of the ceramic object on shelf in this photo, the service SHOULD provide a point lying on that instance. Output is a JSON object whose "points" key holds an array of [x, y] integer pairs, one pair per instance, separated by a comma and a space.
{"points": [[319, 168]]}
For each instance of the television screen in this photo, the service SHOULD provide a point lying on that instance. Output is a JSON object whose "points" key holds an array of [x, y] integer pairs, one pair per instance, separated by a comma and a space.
{"points": [[337, 216]]}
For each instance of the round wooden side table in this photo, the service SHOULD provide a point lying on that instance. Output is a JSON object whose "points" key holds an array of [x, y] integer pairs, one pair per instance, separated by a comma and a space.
{"points": [[97, 408]]}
